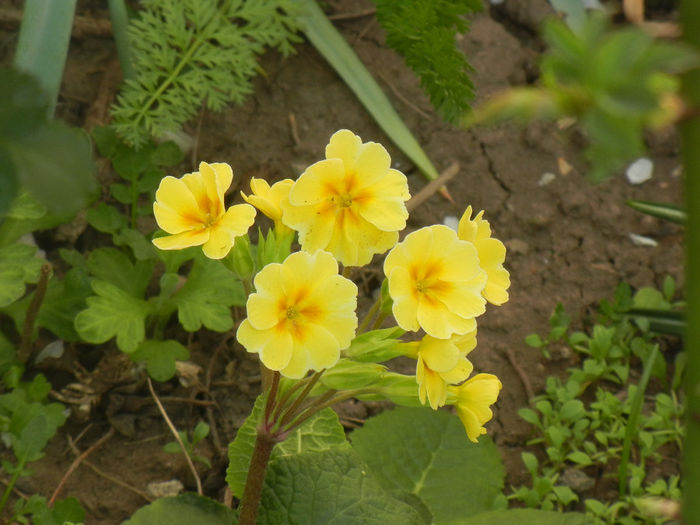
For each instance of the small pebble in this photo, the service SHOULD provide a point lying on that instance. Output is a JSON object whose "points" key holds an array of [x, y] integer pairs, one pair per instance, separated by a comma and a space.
{"points": [[451, 221], [640, 171]]}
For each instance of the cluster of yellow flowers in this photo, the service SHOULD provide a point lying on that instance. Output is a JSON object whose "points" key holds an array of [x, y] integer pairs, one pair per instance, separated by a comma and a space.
{"points": [[347, 208]]}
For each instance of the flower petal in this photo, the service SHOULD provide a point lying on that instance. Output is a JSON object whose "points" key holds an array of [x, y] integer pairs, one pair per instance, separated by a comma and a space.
{"points": [[274, 346], [182, 240], [372, 163], [172, 221], [174, 194], [440, 355], [459, 373], [344, 145], [319, 183], [263, 311], [321, 346]]}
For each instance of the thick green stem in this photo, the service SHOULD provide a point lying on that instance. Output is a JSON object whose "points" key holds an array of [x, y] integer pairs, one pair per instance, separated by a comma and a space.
{"points": [[291, 412], [370, 315], [264, 444], [690, 138]]}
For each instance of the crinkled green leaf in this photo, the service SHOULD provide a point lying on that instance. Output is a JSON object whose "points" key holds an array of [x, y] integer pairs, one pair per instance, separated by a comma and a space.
{"points": [[330, 488], [526, 517], [320, 432], [18, 265], [106, 218], [426, 453], [113, 313], [114, 266], [207, 297], [160, 357], [141, 247], [26, 207], [185, 509]]}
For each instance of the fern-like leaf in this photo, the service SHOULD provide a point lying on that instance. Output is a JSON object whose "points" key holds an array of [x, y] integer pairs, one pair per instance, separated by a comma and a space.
{"points": [[424, 33], [189, 53]]}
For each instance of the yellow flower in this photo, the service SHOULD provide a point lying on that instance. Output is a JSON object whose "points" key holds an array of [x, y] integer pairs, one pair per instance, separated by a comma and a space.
{"points": [[351, 204], [435, 282], [192, 210], [268, 199], [491, 252], [442, 362], [301, 315], [472, 400]]}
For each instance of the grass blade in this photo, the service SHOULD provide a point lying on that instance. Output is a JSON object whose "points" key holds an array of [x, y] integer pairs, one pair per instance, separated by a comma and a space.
{"points": [[661, 210], [43, 43], [326, 39]]}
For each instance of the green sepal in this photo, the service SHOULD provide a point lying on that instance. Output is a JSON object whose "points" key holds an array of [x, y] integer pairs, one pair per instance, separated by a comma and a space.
{"points": [[376, 346], [240, 259], [398, 388], [274, 248], [347, 374]]}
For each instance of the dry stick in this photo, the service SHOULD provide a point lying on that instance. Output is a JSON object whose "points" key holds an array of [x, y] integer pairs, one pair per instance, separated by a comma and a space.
{"points": [[403, 99], [108, 477], [347, 16], [526, 382], [294, 130], [177, 436], [432, 187], [77, 462], [25, 349]]}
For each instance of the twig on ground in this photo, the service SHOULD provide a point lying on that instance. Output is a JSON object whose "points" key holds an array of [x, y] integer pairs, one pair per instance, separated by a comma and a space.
{"points": [[98, 114], [433, 187], [177, 436], [294, 129], [521, 374], [348, 16], [402, 98], [97, 444]]}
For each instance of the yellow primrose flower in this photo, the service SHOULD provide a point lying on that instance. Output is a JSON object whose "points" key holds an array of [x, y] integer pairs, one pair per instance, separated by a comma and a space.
{"points": [[492, 253], [301, 315], [472, 400], [435, 282], [351, 204], [268, 198], [192, 210], [443, 362]]}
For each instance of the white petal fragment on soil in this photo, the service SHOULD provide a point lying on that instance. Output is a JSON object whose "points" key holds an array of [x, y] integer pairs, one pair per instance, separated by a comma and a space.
{"points": [[640, 171], [641, 240], [546, 178]]}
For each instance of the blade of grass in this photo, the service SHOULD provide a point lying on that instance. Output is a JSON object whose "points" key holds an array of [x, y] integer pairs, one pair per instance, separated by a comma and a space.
{"points": [[661, 210], [120, 22], [631, 429], [690, 138], [326, 39], [42, 47]]}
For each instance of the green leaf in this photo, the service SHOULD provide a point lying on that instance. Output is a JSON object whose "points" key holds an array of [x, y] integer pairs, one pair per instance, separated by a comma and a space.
{"points": [[319, 433], [18, 265], [113, 312], [327, 41], [185, 509], [106, 140], [120, 192], [207, 297], [114, 266], [167, 154], [580, 458], [160, 357], [141, 247], [575, 14], [534, 340], [26, 207], [330, 488], [24, 106], [526, 517], [8, 181], [55, 164], [63, 301], [426, 453], [106, 218]]}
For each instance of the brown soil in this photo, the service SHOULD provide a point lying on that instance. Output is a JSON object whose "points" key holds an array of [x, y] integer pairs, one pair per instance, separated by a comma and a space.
{"points": [[568, 240]]}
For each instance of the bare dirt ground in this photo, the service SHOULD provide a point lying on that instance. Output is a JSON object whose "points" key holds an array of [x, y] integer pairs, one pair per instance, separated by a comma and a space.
{"points": [[567, 240]]}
